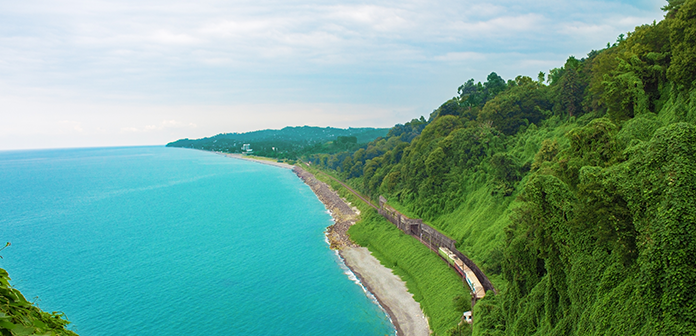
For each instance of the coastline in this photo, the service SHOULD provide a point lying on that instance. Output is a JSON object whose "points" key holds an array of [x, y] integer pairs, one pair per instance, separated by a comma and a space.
{"points": [[386, 287], [389, 290], [268, 162]]}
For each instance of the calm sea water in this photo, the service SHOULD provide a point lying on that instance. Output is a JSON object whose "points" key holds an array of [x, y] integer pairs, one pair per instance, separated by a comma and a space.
{"points": [[166, 241]]}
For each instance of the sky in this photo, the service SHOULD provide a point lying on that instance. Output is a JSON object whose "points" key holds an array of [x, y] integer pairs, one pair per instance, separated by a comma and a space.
{"points": [[92, 73]]}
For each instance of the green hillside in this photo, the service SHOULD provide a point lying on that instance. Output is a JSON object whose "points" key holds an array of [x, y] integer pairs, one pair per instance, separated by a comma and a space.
{"points": [[288, 142], [574, 191]]}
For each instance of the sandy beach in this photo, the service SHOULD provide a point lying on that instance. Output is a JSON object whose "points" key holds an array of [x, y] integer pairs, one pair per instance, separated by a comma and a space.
{"points": [[388, 288], [264, 161]]}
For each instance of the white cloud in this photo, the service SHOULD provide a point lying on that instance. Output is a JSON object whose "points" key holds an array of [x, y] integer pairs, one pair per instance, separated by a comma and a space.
{"points": [[79, 60], [55, 123], [69, 126], [235, 28], [468, 56], [371, 17], [167, 37], [164, 124], [502, 25]]}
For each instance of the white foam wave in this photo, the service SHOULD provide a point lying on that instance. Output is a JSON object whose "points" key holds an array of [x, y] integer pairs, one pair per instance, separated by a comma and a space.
{"points": [[347, 271]]}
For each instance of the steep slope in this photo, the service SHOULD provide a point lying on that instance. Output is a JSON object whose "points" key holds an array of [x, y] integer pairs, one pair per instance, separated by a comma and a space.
{"points": [[574, 196]]}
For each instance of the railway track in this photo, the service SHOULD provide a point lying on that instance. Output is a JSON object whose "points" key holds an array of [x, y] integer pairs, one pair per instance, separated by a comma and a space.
{"points": [[473, 272]]}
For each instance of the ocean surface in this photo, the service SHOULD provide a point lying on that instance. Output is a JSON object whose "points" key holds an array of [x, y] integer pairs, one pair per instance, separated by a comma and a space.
{"points": [[170, 241]]}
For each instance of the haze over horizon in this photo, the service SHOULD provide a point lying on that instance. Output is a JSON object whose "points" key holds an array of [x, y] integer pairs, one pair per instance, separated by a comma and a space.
{"points": [[103, 73]]}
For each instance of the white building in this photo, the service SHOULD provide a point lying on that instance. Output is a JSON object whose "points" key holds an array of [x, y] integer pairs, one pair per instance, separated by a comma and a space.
{"points": [[467, 317]]}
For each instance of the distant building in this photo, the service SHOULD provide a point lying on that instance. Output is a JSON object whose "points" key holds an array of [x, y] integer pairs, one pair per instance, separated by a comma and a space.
{"points": [[246, 148]]}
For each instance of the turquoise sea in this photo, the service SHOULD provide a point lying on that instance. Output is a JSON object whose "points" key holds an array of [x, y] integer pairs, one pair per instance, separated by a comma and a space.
{"points": [[169, 241]]}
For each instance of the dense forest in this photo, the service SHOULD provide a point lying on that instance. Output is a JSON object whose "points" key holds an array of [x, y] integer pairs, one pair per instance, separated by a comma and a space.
{"points": [[287, 143], [574, 191]]}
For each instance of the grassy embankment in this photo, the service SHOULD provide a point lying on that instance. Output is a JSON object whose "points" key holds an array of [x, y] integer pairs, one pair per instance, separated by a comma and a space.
{"points": [[435, 285]]}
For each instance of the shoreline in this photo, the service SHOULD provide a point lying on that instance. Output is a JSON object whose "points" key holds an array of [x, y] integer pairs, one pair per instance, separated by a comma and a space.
{"points": [[268, 162], [359, 280], [379, 281], [386, 287]]}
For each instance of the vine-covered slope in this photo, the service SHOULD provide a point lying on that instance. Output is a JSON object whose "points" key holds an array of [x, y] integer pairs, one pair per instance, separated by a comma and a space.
{"points": [[574, 191], [19, 317]]}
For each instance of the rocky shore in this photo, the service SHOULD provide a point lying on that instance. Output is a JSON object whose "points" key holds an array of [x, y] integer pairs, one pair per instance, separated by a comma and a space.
{"points": [[343, 214]]}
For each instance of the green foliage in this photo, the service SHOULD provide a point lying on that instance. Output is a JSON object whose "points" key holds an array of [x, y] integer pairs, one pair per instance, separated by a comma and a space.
{"points": [[576, 197], [506, 172], [463, 329], [634, 86], [476, 95], [571, 89], [594, 144], [640, 128], [547, 152], [618, 237], [683, 39], [19, 317], [407, 131], [521, 105], [660, 195], [289, 142], [672, 7], [434, 284]]}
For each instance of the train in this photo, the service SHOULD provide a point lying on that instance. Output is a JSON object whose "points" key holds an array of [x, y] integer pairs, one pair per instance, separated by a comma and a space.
{"points": [[470, 278]]}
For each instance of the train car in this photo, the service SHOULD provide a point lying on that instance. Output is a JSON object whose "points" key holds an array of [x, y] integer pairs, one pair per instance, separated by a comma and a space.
{"points": [[470, 278], [452, 259]]}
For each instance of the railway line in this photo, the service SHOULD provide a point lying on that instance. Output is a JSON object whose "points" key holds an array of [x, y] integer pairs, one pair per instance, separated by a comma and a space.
{"points": [[471, 274]]}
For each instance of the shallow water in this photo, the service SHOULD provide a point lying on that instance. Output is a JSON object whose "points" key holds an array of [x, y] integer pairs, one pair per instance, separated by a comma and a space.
{"points": [[169, 241]]}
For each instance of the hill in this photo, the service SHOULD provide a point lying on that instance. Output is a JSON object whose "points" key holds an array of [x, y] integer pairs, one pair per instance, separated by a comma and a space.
{"points": [[288, 142], [573, 191]]}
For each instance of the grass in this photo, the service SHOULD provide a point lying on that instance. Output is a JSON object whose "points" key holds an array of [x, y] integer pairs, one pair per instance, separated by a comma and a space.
{"points": [[436, 286]]}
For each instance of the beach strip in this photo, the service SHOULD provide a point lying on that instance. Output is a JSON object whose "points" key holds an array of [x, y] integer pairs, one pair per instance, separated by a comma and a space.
{"points": [[259, 160], [389, 290]]}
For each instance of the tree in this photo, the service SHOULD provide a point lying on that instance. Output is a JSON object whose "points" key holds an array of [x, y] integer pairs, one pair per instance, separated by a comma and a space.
{"points": [[472, 95], [521, 105], [682, 68], [347, 164], [494, 85], [476, 95], [571, 90], [672, 7]]}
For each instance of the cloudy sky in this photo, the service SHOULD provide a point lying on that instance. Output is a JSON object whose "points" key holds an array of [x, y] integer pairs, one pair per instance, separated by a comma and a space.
{"points": [[84, 73]]}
